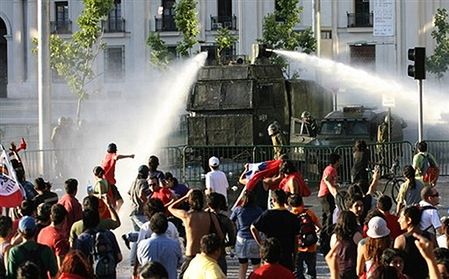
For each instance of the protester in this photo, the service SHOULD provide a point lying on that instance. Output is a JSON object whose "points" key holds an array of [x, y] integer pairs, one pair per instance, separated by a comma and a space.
{"points": [[430, 218], [102, 191], [178, 189], [153, 270], [384, 205], [246, 247], [108, 165], [270, 252], [71, 204], [281, 224], [139, 193], [370, 249], [159, 190], [307, 247], [443, 238], [153, 163], [197, 224], [217, 205], [75, 266], [54, 235], [354, 203], [205, 265], [394, 258], [359, 172], [30, 250], [43, 192], [216, 180], [410, 190], [5, 231], [425, 165], [347, 235], [292, 181], [328, 189], [414, 263]]}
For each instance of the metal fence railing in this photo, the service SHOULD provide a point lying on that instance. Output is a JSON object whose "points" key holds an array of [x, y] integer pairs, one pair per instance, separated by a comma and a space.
{"points": [[190, 163]]}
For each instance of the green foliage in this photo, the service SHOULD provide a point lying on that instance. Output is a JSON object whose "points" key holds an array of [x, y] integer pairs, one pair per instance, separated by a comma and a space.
{"points": [[187, 22], [438, 62], [73, 59], [224, 40], [278, 31], [159, 52]]}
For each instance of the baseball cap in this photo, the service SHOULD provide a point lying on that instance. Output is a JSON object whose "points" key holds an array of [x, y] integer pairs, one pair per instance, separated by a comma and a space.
{"points": [[377, 227], [27, 224], [214, 162]]}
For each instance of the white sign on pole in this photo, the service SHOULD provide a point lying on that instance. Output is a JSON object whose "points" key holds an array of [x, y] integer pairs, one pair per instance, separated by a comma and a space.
{"points": [[388, 101], [384, 18]]}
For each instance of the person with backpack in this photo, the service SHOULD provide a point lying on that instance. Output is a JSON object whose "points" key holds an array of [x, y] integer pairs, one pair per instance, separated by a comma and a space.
{"points": [[430, 218], [30, 250], [425, 165], [308, 237], [410, 190], [99, 246]]}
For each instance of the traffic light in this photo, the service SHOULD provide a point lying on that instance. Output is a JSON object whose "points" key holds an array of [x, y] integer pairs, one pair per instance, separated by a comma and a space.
{"points": [[418, 69]]}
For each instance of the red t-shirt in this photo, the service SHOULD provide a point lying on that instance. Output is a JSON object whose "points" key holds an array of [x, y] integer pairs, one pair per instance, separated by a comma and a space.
{"points": [[163, 194], [108, 166], [74, 211], [330, 172], [271, 271], [393, 225], [55, 239]]}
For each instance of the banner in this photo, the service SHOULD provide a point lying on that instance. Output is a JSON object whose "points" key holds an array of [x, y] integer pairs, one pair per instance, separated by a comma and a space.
{"points": [[258, 171], [10, 190], [384, 18]]}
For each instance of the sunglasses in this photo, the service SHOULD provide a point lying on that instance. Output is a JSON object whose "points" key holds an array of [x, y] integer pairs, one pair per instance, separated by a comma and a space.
{"points": [[153, 184], [435, 195]]}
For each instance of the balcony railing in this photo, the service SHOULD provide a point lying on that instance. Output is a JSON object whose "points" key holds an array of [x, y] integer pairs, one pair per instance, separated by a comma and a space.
{"points": [[166, 23], [360, 20], [113, 25], [61, 27], [229, 22]]}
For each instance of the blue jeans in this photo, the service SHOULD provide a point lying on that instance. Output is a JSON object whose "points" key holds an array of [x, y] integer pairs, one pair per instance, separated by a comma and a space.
{"points": [[309, 259]]}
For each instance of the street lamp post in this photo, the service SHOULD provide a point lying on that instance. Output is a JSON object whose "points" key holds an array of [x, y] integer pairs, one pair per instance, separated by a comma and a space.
{"points": [[316, 15], [43, 79]]}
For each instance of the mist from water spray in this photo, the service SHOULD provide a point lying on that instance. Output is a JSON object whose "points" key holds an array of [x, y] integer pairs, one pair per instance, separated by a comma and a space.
{"points": [[372, 86]]}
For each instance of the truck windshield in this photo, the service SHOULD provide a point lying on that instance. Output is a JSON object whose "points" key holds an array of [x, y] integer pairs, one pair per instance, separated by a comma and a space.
{"points": [[344, 128]]}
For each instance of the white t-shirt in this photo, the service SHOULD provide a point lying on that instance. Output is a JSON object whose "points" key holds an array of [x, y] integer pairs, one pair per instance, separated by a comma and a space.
{"points": [[145, 232], [442, 241], [430, 219], [216, 181]]}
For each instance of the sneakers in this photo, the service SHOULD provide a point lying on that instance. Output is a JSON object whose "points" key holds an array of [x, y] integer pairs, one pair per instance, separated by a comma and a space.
{"points": [[126, 240]]}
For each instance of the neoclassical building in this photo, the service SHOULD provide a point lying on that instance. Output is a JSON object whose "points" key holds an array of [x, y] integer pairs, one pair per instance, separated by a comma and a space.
{"points": [[374, 33]]}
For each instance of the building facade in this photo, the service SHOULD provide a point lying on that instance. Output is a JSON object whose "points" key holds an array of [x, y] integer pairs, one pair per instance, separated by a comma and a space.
{"points": [[349, 34]]}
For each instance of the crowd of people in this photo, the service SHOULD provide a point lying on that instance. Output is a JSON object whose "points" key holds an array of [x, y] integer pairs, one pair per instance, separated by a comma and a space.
{"points": [[178, 232]]}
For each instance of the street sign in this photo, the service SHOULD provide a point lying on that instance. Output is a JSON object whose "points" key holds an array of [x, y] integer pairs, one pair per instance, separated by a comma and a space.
{"points": [[388, 101]]}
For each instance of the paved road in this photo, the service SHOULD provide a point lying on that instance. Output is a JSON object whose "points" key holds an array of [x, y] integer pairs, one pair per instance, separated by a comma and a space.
{"points": [[313, 203]]}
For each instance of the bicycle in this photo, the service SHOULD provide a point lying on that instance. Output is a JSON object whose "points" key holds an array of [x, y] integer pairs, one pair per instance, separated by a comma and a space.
{"points": [[394, 181]]}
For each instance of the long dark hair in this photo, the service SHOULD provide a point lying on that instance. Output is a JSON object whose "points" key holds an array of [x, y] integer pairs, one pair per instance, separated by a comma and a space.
{"points": [[346, 225], [409, 172]]}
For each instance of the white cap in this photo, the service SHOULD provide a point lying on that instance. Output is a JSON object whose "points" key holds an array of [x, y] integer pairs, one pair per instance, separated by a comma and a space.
{"points": [[377, 227], [214, 162]]}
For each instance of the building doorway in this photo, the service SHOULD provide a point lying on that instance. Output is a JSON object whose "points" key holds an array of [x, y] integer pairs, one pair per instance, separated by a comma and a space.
{"points": [[3, 60]]}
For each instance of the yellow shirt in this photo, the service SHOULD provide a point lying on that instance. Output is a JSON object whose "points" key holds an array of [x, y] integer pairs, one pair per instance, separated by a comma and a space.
{"points": [[203, 267]]}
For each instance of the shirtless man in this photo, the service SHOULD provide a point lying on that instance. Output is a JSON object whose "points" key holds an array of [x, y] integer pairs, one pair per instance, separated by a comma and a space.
{"points": [[196, 222]]}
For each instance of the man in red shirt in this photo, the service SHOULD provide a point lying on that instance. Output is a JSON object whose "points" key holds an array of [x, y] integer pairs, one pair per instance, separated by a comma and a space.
{"points": [[160, 191], [108, 166], [384, 205], [71, 204], [53, 235], [270, 253], [328, 189]]}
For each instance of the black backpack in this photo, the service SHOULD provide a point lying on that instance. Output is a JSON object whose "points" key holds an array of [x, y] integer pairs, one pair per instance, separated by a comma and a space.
{"points": [[100, 250], [307, 232]]}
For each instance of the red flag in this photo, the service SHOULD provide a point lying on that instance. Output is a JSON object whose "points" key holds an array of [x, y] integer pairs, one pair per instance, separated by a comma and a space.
{"points": [[11, 194], [260, 171]]}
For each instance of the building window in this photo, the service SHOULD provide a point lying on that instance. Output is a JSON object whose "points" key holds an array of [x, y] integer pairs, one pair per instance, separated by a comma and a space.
{"points": [[363, 56], [326, 34], [114, 63], [62, 24], [115, 22]]}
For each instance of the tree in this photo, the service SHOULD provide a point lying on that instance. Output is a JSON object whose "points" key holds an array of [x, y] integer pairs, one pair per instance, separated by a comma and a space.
{"points": [[278, 30], [73, 59], [438, 62], [160, 57], [187, 22], [224, 40]]}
